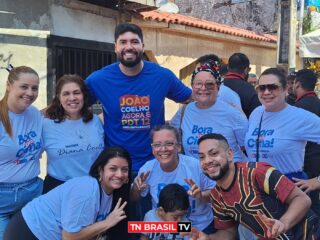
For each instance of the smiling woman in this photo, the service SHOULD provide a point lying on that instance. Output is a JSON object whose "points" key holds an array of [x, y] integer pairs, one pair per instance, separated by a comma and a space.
{"points": [[209, 114], [168, 167], [20, 143], [277, 131], [82, 207], [73, 136]]}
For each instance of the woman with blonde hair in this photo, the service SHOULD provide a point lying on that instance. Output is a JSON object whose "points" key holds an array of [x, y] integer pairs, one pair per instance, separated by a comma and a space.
{"points": [[20, 143]]}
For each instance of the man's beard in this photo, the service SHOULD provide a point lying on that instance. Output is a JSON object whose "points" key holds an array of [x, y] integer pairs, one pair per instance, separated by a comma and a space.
{"points": [[131, 63], [223, 171]]}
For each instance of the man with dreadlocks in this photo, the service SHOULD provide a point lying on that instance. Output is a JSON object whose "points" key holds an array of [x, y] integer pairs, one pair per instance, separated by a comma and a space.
{"points": [[208, 114]]}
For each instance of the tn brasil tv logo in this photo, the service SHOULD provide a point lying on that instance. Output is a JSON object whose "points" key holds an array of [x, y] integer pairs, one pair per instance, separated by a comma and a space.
{"points": [[158, 227]]}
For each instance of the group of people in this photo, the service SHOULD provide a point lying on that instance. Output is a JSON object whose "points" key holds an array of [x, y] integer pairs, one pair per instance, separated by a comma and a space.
{"points": [[236, 154]]}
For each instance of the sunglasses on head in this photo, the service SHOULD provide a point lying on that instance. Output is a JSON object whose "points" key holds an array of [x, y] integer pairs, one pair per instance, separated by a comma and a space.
{"points": [[270, 87]]}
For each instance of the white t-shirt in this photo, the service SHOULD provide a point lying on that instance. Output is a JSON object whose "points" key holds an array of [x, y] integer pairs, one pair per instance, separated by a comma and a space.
{"points": [[71, 207], [283, 137], [19, 155], [200, 214], [72, 146], [220, 118]]}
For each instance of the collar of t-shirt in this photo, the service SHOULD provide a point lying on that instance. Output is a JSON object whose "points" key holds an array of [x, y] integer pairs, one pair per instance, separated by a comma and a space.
{"points": [[233, 75], [307, 94]]}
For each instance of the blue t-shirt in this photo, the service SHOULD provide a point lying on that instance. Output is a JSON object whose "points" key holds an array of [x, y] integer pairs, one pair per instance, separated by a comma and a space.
{"points": [[221, 118], [133, 105], [200, 213], [71, 207], [283, 136], [72, 146], [19, 155]]}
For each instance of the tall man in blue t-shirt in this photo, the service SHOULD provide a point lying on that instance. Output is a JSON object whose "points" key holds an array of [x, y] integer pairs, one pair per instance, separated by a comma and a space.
{"points": [[132, 92]]}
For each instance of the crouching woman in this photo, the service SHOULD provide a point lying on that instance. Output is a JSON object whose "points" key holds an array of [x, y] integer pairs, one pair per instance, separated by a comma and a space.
{"points": [[81, 208]]}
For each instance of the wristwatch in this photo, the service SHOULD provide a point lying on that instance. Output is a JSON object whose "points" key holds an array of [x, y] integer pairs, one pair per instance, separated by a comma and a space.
{"points": [[318, 179]]}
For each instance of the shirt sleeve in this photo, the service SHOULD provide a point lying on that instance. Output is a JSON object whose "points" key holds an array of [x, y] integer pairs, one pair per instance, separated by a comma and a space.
{"points": [[178, 92], [309, 129], [240, 127], [78, 210], [275, 183], [175, 121]]}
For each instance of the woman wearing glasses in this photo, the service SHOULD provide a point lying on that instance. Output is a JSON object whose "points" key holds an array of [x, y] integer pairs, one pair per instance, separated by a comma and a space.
{"points": [[278, 132], [171, 167], [209, 114]]}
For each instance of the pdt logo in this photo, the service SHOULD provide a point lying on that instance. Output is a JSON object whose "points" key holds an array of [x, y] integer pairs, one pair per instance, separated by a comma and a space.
{"points": [[158, 227]]}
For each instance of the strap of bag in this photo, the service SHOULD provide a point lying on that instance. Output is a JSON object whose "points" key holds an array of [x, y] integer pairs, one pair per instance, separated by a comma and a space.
{"points": [[183, 109], [258, 139]]}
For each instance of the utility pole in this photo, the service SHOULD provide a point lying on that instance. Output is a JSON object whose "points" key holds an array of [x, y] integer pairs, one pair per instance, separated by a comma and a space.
{"points": [[287, 34], [293, 36]]}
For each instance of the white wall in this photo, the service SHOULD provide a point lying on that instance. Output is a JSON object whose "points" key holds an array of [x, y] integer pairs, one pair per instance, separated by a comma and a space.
{"points": [[83, 25]]}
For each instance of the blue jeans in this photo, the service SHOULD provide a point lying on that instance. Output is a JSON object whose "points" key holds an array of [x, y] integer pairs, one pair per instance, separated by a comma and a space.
{"points": [[13, 196], [315, 198]]}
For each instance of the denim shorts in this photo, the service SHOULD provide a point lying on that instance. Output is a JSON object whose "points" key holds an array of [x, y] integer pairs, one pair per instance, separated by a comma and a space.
{"points": [[13, 196]]}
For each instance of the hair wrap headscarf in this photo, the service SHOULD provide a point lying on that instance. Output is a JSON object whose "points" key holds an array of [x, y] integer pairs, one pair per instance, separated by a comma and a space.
{"points": [[212, 67]]}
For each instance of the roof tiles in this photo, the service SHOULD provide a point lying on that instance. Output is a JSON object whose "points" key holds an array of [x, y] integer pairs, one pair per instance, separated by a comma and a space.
{"points": [[204, 24]]}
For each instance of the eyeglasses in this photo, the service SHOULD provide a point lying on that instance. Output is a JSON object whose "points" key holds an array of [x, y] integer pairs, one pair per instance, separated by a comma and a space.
{"points": [[210, 85], [270, 87], [167, 145]]}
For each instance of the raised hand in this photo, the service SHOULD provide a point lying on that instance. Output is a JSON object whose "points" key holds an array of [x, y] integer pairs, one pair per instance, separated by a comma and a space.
{"points": [[140, 181], [194, 190], [117, 214], [275, 227], [198, 235]]}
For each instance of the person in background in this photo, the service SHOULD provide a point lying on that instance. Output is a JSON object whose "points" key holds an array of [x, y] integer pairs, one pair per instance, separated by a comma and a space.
{"points": [[223, 70], [20, 143], [171, 167], [73, 137], [208, 114], [252, 79], [278, 132], [172, 207], [307, 99], [82, 208], [236, 79], [291, 96], [255, 195]]}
